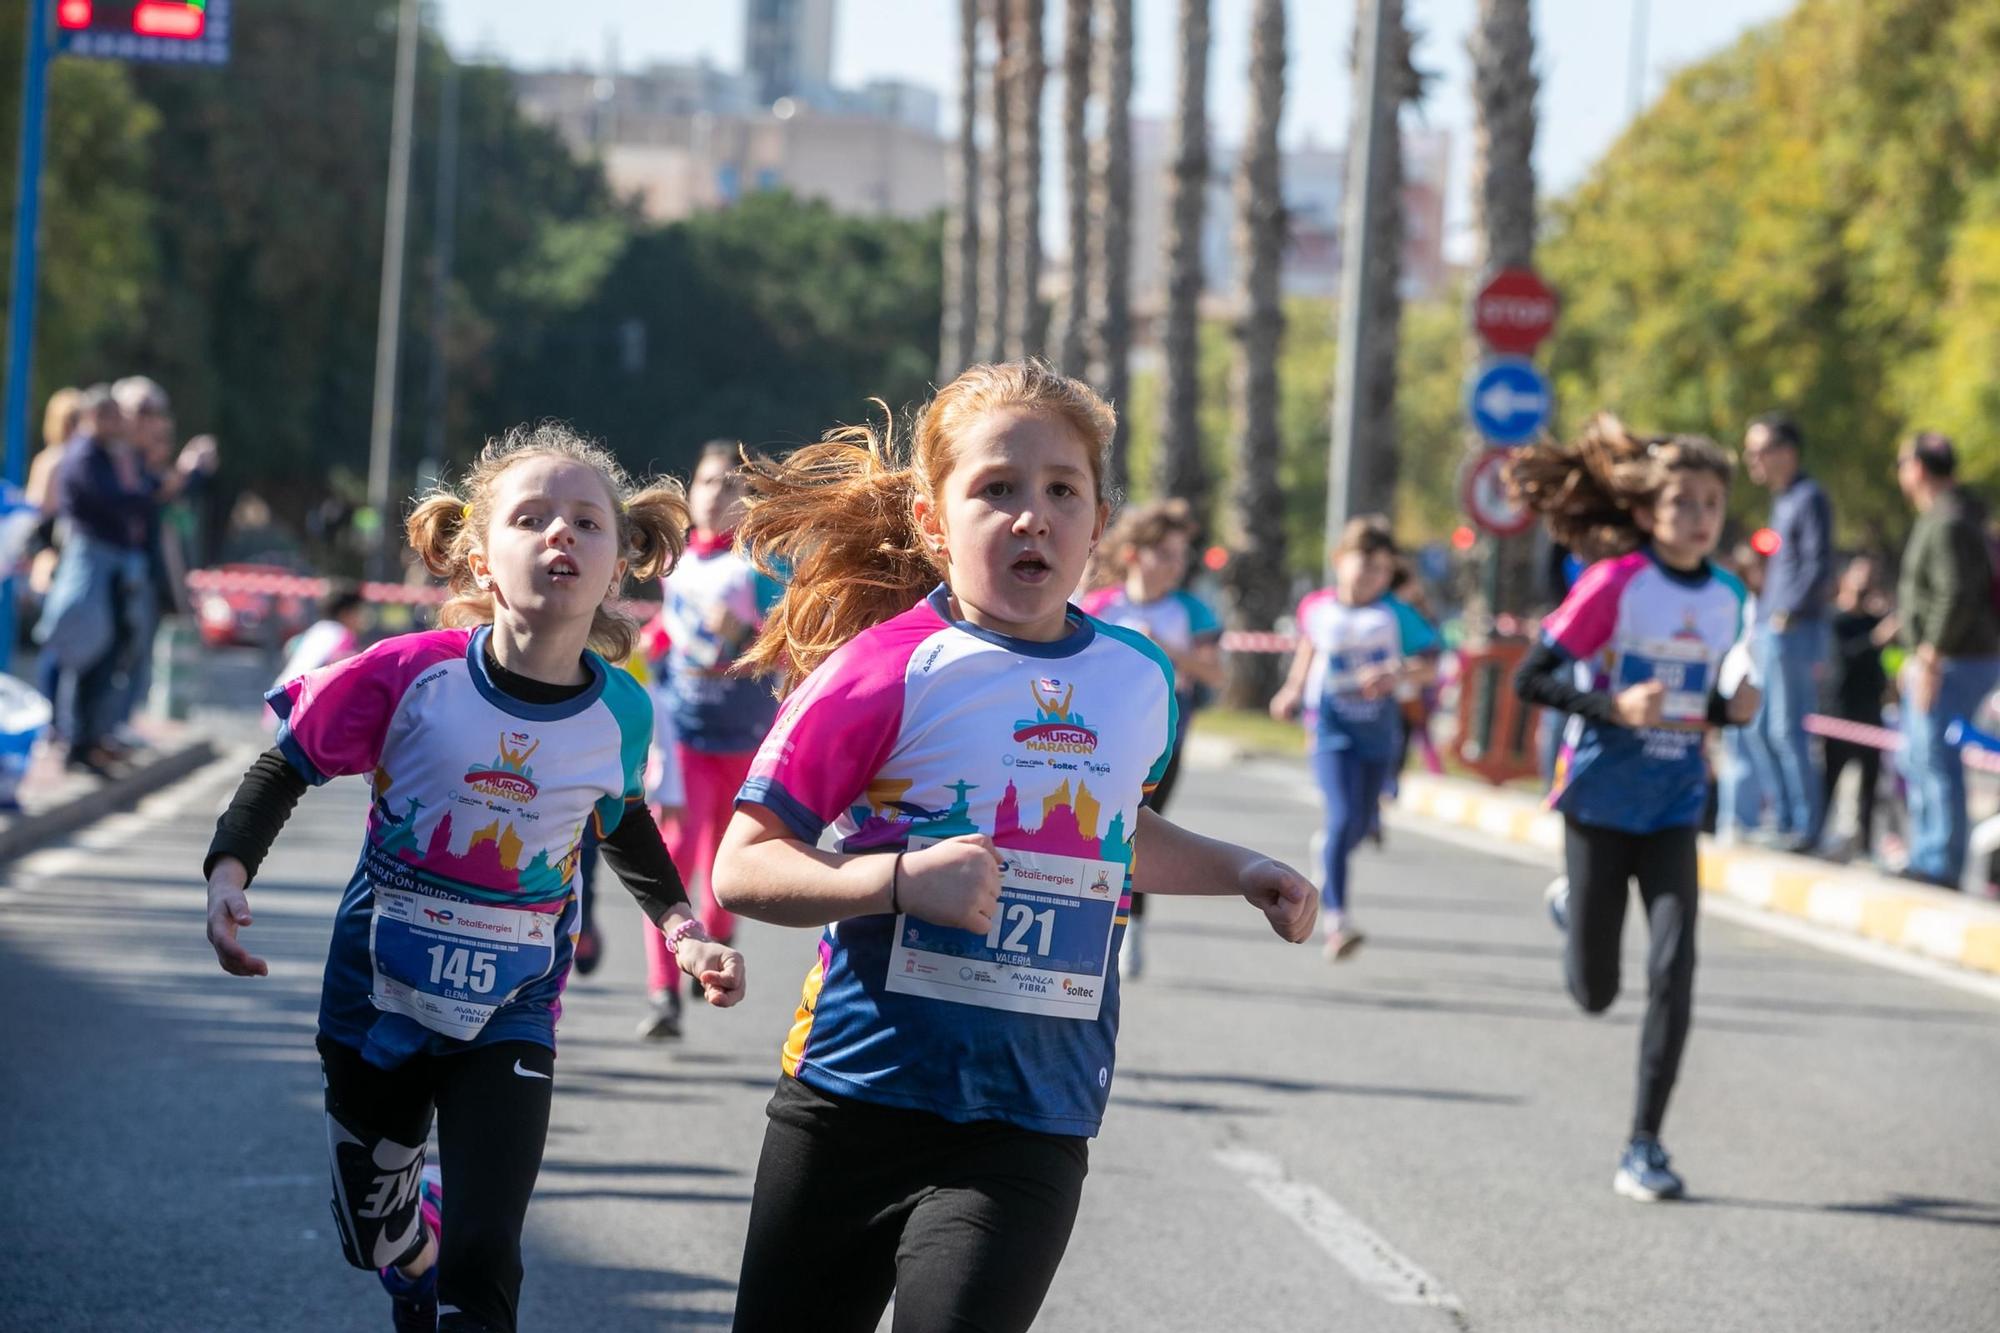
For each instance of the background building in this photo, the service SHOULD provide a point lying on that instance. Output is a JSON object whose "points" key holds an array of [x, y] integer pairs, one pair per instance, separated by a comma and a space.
{"points": [[685, 138]]}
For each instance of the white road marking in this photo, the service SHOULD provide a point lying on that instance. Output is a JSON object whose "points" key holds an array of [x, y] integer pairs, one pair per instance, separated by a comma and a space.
{"points": [[1374, 1262]]}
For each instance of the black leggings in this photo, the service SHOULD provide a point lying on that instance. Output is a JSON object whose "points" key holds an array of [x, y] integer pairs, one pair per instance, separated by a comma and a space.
{"points": [[1838, 755], [964, 1223], [492, 1104], [1602, 862]]}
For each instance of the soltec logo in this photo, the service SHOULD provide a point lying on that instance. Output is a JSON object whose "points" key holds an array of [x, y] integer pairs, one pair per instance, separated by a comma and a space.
{"points": [[1076, 992]]}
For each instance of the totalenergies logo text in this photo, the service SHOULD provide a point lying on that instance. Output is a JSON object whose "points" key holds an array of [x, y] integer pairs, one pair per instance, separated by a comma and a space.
{"points": [[1056, 728], [508, 776]]}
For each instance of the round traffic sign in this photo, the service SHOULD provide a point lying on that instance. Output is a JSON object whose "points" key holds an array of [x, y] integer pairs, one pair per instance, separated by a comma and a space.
{"points": [[1508, 401], [1483, 491], [1515, 311]]}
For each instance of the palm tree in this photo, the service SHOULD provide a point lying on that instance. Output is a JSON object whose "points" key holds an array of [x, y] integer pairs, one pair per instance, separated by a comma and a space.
{"points": [[1025, 76], [1071, 337], [1111, 205], [1399, 84], [1180, 470], [995, 276], [1255, 579], [960, 332], [1504, 87]]}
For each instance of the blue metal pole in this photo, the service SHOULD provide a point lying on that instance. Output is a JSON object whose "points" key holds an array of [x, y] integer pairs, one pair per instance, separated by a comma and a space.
{"points": [[21, 303]]}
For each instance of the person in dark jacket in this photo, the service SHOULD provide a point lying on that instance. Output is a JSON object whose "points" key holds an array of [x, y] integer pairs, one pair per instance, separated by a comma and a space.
{"points": [[1945, 599], [1861, 625], [1791, 626]]}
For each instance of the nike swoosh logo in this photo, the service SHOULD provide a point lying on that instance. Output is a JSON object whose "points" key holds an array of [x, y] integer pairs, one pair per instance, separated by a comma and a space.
{"points": [[527, 1073]]}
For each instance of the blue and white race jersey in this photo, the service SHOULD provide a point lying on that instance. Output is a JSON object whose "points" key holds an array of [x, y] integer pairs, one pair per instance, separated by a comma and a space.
{"points": [[1628, 621], [1348, 643]]}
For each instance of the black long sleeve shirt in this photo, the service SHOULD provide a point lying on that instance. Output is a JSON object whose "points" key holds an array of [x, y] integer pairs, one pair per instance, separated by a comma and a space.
{"points": [[271, 789]]}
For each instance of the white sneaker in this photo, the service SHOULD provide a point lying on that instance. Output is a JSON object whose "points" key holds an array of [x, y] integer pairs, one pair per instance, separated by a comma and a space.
{"points": [[1342, 939]]}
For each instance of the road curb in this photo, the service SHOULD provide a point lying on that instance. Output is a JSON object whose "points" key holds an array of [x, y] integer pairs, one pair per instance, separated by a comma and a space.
{"points": [[24, 832], [1932, 923]]}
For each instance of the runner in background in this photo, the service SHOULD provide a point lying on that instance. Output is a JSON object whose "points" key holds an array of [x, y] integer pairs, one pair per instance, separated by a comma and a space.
{"points": [[1147, 560], [491, 746], [1645, 653], [714, 602], [1358, 645], [982, 751], [1417, 702]]}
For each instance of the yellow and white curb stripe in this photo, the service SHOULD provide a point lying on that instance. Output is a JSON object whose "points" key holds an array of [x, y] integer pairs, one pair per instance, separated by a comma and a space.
{"points": [[1933, 923]]}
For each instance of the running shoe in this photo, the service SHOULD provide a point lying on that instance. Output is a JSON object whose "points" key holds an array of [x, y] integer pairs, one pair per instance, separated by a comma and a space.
{"points": [[1556, 898], [413, 1302], [1644, 1173], [1342, 940], [663, 1021]]}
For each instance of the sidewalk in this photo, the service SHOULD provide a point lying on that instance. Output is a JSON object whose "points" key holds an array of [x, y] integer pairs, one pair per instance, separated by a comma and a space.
{"points": [[1859, 901], [1934, 923], [56, 800]]}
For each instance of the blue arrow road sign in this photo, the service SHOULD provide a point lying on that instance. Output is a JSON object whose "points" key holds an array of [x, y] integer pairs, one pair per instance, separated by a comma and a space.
{"points": [[1509, 401]]}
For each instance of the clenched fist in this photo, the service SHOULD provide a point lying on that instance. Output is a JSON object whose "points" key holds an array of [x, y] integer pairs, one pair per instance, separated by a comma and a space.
{"points": [[1285, 897], [954, 883]]}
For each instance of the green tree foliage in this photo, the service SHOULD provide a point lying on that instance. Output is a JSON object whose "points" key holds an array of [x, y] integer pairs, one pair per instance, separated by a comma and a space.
{"points": [[1808, 221], [97, 257], [768, 323], [221, 230], [1430, 419]]}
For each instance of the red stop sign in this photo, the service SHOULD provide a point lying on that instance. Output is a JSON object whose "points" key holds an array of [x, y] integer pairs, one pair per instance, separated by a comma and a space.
{"points": [[1514, 311]]}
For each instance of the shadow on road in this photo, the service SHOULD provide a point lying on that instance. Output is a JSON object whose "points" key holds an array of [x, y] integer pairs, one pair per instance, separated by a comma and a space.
{"points": [[1294, 1087], [1910, 1207]]}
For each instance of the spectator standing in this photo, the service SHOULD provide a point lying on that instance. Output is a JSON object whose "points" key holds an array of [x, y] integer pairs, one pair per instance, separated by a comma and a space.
{"points": [[59, 427], [1860, 628], [1791, 626], [1742, 790], [103, 505], [1945, 600]]}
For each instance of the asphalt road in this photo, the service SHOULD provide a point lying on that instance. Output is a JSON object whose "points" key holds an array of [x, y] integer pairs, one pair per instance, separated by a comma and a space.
{"points": [[1421, 1138]]}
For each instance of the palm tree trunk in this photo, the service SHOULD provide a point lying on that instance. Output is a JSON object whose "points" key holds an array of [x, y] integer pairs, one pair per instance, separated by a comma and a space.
{"points": [[1027, 72], [1255, 579], [1375, 441], [1111, 258], [996, 236], [1504, 88], [1181, 471], [1071, 338], [960, 332]]}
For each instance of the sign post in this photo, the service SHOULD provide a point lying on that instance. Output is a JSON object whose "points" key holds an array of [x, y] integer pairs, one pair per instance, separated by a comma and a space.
{"points": [[161, 31]]}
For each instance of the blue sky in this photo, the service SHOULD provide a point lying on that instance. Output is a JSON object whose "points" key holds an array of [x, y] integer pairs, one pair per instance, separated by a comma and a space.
{"points": [[1583, 51]]}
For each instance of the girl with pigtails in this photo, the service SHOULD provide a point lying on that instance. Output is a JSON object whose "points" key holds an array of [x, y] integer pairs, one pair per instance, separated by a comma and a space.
{"points": [[981, 752], [492, 747], [1644, 654]]}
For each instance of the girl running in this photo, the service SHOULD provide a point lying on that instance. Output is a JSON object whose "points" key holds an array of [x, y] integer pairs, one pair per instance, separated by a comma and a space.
{"points": [[1643, 654], [715, 601], [1149, 557], [1358, 647], [982, 751], [491, 748]]}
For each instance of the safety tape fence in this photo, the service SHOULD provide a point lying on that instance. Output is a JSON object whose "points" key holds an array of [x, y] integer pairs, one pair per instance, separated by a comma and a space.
{"points": [[1976, 756], [271, 584]]}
